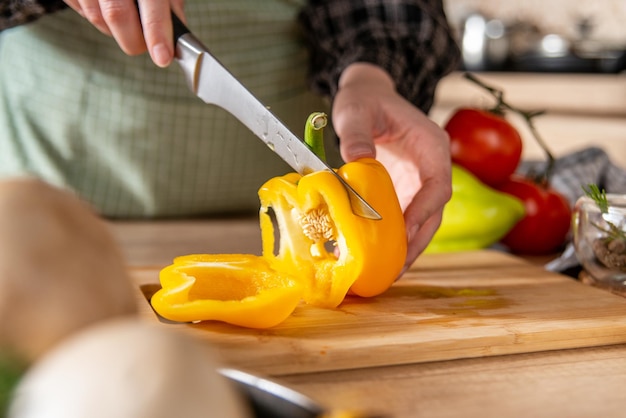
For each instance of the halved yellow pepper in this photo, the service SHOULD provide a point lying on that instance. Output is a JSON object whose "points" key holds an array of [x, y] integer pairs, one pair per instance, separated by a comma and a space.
{"points": [[240, 289], [315, 222]]}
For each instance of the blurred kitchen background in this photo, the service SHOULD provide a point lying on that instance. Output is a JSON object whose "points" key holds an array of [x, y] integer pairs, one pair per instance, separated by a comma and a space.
{"points": [[562, 56], [541, 35]]}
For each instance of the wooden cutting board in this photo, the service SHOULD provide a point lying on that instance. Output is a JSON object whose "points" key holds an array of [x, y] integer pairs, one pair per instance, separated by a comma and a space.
{"points": [[448, 306]]}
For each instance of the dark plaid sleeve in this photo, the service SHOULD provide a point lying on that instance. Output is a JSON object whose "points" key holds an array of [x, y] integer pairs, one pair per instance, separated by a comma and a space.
{"points": [[411, 39], [18, 12]]}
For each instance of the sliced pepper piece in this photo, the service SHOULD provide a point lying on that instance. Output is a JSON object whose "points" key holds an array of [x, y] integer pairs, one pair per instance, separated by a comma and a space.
{"points": [[240, 289], [330, 249]]}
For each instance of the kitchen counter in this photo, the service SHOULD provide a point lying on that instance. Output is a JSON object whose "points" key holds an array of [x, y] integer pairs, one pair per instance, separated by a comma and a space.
{"points": [[574, 382]]}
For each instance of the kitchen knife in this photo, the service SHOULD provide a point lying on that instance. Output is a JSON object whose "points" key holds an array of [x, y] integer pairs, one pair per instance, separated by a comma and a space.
{"points": [[269, 398], [214, 84]]}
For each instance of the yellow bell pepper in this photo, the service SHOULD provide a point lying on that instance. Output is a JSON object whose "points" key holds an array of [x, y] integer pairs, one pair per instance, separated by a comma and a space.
{"points": [[240, 289], [315, 222], [324, 251]]}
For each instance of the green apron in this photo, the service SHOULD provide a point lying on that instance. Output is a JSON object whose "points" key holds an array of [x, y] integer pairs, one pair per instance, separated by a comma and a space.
{"points": [[129, 137]]}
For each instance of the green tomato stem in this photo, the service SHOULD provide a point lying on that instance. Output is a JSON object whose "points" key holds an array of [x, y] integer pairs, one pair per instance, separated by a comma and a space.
{"points": [[314, 133]]}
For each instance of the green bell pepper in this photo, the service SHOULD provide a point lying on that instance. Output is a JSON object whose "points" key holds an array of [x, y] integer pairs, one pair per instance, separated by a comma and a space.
{"points": [[477, 216]]}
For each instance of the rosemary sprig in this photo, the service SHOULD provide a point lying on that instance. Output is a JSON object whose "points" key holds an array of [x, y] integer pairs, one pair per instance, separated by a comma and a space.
{"points": [[599, 197]]}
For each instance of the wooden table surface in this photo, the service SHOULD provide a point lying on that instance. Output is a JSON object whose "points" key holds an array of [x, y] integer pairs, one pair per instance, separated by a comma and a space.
{"points": [[583, 382]]}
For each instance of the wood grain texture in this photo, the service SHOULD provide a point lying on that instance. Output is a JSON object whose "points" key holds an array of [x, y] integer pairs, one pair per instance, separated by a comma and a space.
{"points": [[580, 383], [448, 306]]}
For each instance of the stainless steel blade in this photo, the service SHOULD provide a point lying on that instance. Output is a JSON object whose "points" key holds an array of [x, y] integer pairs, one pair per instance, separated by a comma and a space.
{"points": [[270, 398], [214, 84]]}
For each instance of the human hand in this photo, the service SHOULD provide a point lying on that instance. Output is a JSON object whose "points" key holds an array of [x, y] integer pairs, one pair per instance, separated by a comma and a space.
{"points": [[135, 26], [373, 120]]}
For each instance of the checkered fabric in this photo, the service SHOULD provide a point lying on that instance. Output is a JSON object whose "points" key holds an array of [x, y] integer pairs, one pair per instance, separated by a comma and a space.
{"points": [[587, 166], [18, 12]]}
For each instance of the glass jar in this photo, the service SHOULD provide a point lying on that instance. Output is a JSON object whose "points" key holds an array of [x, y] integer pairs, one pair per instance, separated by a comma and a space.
{"points": [[600, 240]]}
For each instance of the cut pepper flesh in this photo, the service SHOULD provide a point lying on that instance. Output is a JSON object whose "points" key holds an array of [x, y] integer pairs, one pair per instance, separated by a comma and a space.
{"points": [[331, 249]]}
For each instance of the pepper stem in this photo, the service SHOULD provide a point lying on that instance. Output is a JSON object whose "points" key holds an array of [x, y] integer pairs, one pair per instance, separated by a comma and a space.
{"points": [[528, 116], [314, 133]]}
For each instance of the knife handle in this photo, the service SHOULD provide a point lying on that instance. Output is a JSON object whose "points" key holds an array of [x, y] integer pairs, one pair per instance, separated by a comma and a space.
{"points": [[179, 27]]}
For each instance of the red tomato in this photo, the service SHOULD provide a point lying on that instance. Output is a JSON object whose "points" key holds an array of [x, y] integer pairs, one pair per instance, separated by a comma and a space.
{"points": [[485, 144], [546, 224]]}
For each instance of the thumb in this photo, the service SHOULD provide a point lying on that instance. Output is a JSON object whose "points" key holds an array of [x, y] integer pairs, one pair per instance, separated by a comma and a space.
{"points": [[353, 124]]}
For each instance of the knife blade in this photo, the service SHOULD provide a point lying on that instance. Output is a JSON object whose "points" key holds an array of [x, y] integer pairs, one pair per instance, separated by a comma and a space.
{"points": [[269, 398], [214, 84]]}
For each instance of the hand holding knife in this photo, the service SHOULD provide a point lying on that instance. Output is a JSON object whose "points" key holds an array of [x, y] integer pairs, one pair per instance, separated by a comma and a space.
{"points": [[214, 84]]}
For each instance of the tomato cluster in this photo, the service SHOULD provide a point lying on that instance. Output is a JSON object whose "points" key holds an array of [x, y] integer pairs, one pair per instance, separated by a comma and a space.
{"points": [[487, 145]]}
